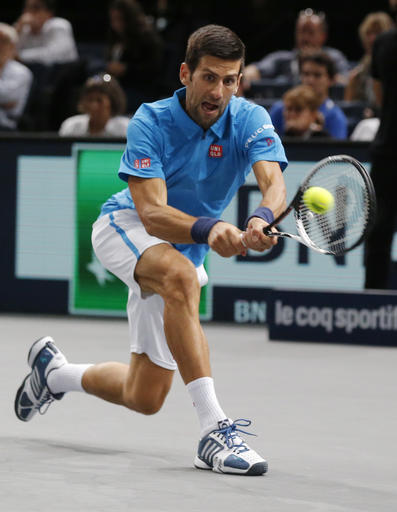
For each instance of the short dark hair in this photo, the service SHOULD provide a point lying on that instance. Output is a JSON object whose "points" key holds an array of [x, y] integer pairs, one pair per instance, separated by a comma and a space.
{"points": [[214, 40], [105, 84], [321, 59]]}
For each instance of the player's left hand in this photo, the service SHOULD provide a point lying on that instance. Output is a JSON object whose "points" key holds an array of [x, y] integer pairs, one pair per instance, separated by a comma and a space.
{"points": [[254, 238]]}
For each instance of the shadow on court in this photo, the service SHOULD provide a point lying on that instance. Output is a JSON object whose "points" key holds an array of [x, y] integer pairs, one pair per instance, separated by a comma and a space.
{"points": [[325, 417]]}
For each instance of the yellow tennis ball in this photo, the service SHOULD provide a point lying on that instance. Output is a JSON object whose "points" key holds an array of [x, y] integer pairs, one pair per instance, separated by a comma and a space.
{"points": [[318, 200]]}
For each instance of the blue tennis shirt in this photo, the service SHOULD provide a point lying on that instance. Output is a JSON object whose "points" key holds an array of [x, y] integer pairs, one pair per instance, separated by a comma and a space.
{"points": [[202, 169]]}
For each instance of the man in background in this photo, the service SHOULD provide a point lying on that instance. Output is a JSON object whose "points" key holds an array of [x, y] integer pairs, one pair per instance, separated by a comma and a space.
{"points": [[283, 65], [15, 80], [44, 38], [317, 71]]}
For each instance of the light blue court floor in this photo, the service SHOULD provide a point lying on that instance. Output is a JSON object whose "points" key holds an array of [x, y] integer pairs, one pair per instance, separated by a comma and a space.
{"points": [[325, 415]]}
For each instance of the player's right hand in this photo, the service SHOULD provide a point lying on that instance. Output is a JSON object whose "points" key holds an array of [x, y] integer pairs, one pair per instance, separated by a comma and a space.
{"points": [[225, 239]]}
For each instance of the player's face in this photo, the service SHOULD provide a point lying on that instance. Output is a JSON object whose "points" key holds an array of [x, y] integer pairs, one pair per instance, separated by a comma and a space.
{"points": [[209, 88], [316, 77]]}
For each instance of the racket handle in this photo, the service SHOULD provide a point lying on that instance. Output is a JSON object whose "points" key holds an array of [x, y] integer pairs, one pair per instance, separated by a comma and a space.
{"points": [[268, 231]]}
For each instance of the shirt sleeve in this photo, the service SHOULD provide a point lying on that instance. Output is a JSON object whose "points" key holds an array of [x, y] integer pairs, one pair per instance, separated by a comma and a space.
{"points": [[15, 85], [277, 116], [142, 156], [336, 123], [260, 141]]}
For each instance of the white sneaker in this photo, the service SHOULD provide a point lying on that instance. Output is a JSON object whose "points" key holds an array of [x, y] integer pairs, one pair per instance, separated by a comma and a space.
{"points": [[33, 393], [223, 451]]}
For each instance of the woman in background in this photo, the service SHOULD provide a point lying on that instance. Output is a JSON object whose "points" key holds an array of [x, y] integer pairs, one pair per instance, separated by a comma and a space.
{"points": [[134, 52], [102, 103], [359, 86]]}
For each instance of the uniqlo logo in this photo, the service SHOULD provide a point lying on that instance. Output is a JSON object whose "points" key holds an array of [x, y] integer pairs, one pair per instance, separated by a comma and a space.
{"points": [[215, 151], [145, 162], [137, 164]]}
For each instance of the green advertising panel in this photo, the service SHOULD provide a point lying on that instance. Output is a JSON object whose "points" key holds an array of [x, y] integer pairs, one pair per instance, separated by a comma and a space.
{"points": [[95, 290]]}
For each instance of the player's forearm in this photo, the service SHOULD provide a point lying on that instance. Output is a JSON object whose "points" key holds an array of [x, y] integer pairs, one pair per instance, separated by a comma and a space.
{"points": [[275, 198], [272, 185], [168, 223]]}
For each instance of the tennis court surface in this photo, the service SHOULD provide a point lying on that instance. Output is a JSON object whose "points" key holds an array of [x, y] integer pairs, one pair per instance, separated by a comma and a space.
{"points": [[325, 415]]}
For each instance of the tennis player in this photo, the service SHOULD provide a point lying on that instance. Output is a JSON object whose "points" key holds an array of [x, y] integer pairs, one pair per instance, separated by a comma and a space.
{"points": [[186, 156]]}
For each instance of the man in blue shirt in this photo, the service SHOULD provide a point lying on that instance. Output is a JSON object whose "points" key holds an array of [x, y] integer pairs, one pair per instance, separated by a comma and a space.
{"points": [[311, 33], [317, 70], [185, 158]]}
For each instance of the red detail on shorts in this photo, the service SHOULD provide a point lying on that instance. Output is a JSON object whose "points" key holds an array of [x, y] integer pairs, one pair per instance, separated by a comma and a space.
{"points": [[216, 151], [137, 163], [269, 141], [145, 162]]}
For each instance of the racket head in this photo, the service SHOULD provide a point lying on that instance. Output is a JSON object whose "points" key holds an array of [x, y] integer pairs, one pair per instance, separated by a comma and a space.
{"points": [[344, 226]]}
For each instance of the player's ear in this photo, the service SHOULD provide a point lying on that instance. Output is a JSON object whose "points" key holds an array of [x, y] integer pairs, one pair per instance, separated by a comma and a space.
{"points": [[239, 83], [184, 73]]}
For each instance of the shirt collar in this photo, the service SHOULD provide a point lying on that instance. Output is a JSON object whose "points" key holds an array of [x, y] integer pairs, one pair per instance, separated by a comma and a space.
{"points": [[186, 124]]}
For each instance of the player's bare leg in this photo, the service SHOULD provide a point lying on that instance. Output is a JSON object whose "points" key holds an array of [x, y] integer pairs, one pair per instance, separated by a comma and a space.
{"points": [[143, 385], [165, 271], [128, 384]]}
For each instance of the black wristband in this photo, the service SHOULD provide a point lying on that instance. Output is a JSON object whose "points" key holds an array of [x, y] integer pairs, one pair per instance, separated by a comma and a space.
{"points": [[201, 229], [263, 213]]}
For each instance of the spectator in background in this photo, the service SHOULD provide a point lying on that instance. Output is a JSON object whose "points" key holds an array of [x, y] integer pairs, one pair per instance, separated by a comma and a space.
{"points": [[44, 38], [102, 103], [310, 34], [317, 71], [301, 115], [359, 85], [134, 52], [15, 80], [384, 158]]}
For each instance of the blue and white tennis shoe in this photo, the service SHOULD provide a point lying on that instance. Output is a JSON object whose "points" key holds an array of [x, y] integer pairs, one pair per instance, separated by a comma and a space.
{"points": [[34, 393], [223, 451]]}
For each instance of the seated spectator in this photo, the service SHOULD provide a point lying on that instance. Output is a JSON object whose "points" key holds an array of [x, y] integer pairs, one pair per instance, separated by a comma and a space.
{"points": [[301, 115], [15, 80], [102, 103], [283, 65], [44, 38], [366, 129], [317, 71], [134, 52], [359, 85]]}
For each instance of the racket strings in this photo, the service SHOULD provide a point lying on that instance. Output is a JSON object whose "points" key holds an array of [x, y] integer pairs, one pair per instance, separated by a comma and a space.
{"points": [[343, 225]]}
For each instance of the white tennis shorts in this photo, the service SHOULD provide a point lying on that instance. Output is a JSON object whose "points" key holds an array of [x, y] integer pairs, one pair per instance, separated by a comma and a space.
{"points": [[119, 239]]}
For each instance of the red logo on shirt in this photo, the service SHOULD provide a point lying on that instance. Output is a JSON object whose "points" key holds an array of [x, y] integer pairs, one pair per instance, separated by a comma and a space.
{"points": [[142, 163], [215, 151]]}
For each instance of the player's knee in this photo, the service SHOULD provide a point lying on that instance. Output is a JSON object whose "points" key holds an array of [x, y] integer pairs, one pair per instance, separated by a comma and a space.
{"points": [[144, 404], [181, 284]]}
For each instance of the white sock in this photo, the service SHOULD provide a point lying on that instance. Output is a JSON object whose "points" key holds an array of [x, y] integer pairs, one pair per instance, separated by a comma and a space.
{"points": [[67, 378], [202, 392]]}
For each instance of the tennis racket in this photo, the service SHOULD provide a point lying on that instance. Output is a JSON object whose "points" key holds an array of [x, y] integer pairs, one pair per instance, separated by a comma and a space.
{"points": [[343, 227]]}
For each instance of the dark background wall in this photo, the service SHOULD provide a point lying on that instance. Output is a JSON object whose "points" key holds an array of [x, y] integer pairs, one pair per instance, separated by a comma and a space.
{"points": [[264, 25]]}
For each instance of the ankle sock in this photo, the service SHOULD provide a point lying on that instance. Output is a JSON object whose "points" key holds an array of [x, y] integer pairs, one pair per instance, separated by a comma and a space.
{"points": [[209, 412], [66, 378]]}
